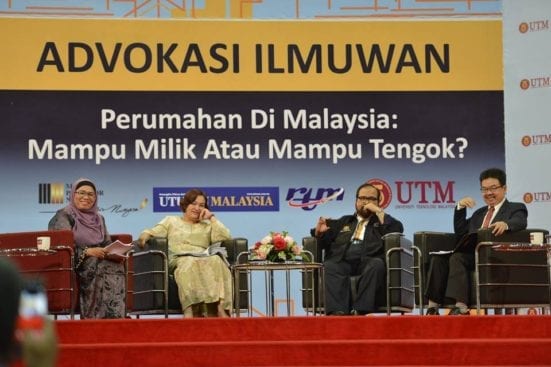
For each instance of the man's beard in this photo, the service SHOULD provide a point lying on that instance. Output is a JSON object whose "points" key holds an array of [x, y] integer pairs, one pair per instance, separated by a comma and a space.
{"points": [[364, 213]]}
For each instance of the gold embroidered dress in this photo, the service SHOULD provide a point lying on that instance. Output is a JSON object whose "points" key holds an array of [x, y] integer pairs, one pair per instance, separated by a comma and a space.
{"points": [[200, 279]]}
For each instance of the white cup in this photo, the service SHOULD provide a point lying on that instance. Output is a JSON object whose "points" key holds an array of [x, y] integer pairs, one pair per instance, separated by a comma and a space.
{"points": [[43, 243], [536, 238]]}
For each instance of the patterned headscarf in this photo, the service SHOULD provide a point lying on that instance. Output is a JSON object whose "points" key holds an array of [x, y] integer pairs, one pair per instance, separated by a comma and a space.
{"points": [[88, 228]]}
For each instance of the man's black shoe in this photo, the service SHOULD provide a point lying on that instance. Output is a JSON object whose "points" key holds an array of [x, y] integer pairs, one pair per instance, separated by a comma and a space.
{"points": [[358, 313], [457, 311], [432, 311]]}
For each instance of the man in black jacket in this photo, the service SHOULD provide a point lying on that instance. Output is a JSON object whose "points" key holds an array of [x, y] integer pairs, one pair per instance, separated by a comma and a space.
{"points": [[353, 246], [449, 275]]}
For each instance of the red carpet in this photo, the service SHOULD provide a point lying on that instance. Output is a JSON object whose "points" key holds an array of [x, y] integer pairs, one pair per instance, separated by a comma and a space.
{"points": [[308, 341]]}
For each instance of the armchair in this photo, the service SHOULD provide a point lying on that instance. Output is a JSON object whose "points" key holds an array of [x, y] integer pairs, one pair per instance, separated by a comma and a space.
{"points": [[496, 280], [154, 288], [400, 283], [54, 266]]}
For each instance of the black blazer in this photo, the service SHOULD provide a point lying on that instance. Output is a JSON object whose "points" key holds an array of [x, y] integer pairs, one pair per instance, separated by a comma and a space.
{"points": [[336, 240], [513, 213]]}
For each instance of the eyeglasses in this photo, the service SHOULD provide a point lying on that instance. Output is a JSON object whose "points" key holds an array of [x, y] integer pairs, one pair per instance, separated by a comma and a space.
{"points": [[90, 194], [367, 198], [485, 190]]}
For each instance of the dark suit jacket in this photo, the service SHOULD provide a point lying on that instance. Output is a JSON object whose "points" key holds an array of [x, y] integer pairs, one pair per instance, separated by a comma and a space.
{"points": [[336, 240], [512, 213]]}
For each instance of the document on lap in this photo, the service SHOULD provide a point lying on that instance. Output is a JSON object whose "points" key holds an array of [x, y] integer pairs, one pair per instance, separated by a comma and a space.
{"points": [[444, 252], [466, 243], [214, 249], [118, 249]]}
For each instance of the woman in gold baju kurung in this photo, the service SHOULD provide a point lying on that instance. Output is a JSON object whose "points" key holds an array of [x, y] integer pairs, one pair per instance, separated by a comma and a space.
{"points": [[202, 280]]}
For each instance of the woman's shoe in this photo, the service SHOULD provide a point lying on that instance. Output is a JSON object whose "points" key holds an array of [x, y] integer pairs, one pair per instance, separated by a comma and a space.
{"points": [[457, 311], [432, 311]]}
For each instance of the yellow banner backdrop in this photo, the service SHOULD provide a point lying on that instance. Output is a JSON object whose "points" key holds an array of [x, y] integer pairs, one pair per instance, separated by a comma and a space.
{"points": [[176, 55]]}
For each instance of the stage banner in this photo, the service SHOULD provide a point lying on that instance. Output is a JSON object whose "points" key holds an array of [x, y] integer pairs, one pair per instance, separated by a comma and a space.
{"points": [[278, 121], [527, 51]]}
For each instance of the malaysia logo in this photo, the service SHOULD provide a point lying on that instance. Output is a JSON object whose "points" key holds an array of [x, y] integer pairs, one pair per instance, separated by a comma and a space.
{"points": [[384, 189], [304, 198]]}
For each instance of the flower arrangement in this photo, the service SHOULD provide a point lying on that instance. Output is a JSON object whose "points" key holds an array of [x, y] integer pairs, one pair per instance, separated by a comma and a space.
{"points": [[276, 247]]}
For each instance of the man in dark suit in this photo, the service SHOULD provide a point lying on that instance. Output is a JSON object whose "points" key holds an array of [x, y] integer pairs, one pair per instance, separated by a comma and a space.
{"points": [[449, 275], [353, 246]]}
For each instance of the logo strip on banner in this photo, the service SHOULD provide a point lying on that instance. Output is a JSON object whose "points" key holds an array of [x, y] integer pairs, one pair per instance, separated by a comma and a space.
{"points": [[220, 199], [246, 55]]}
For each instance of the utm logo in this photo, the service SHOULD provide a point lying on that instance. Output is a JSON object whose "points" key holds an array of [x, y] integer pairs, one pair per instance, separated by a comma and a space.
{"points": [[537, 197], [384, 189], [524, 84], [51, 193], [534, 26]]}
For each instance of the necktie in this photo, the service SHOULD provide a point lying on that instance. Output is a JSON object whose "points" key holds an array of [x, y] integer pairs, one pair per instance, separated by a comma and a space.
{"points": [[488, 217], [358, 230]]}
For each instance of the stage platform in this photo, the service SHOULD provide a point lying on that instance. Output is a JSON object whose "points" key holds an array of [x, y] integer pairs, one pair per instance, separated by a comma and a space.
{"points": [[406, 340]]}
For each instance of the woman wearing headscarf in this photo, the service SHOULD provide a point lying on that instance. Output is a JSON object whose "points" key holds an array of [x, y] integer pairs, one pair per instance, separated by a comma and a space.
{"points": [[102, 285]]}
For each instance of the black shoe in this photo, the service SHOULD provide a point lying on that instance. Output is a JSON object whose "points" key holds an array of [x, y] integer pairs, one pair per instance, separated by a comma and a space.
{"points": [[457, 311], [358, 313], [432, 311]]}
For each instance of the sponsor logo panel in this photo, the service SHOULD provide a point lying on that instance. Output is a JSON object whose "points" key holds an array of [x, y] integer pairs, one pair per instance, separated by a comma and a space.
{"points": [[60, 193], [220, 199], [308, 198], [410, 194]]}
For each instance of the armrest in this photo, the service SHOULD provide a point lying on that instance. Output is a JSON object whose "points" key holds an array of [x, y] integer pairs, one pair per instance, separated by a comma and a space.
{"points": [[155, 244], [152, 258], [396, 240], [235, 246], [396, 243], [485, 235], [28, 239], [311, 244], [428, 241]]}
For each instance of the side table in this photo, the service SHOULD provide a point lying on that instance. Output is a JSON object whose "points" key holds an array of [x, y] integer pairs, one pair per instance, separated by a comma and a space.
{"points": [[268, 268]]}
